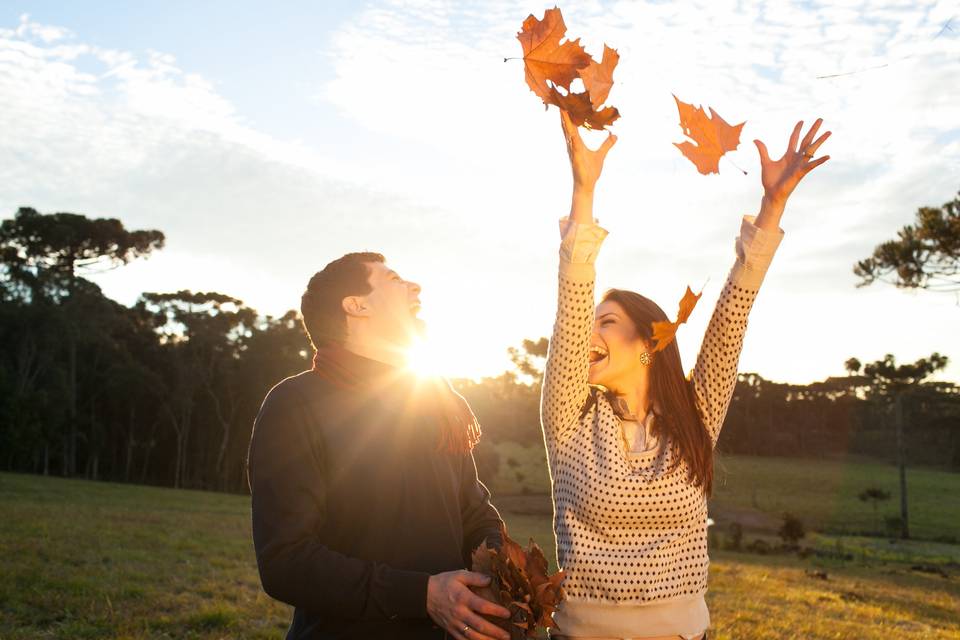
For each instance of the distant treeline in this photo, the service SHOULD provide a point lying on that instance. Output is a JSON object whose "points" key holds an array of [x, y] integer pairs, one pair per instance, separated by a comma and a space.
{"points": [[165, 391], [845, 415]]}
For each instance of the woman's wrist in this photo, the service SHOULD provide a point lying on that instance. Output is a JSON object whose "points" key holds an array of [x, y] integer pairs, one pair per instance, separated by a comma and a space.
{"points": [[581, 204], [770, 213]]}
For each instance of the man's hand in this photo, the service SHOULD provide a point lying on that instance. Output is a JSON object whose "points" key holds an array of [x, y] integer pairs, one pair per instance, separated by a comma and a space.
{"points": [[456, 608]]}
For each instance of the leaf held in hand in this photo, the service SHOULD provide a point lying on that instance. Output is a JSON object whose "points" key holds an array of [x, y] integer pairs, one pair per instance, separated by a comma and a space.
{"points": [[547, 61], [714, 137], [550, 66]]}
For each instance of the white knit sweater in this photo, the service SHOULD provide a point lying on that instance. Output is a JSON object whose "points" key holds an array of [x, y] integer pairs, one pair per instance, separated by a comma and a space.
{"points": [[631, 534]]}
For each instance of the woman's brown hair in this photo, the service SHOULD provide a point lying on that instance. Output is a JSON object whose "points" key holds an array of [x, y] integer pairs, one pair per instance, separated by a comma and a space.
{"points": [[672, 391]]}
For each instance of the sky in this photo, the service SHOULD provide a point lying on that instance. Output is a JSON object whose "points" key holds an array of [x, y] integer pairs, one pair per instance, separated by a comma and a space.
{"points": [[265, 140]]}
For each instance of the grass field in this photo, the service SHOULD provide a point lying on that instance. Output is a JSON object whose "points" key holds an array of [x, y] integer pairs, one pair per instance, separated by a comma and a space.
{"points": [[757, 491], [98, 560]]}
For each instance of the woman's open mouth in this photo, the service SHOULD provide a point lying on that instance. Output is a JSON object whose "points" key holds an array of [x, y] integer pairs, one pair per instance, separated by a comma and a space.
{"points": [[597, 354]]}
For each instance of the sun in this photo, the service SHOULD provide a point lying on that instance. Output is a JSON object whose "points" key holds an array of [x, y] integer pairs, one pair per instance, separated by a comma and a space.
{"points": [[425, 359]]}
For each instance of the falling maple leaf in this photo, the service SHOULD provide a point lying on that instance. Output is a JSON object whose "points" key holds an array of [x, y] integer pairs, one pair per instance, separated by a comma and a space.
{"points": [[550, 66], [665, 332], [520, 582], [714, 137]]}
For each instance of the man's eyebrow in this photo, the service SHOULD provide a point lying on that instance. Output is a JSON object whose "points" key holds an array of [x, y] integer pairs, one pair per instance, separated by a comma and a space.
{"points": [[392, 273]]}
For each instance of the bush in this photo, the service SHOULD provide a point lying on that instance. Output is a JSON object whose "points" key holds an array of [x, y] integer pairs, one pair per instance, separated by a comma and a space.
{"points": [[791, 531]]}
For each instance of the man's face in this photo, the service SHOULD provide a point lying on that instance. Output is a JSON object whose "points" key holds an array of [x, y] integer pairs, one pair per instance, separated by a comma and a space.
{"points": [[392, 306]]}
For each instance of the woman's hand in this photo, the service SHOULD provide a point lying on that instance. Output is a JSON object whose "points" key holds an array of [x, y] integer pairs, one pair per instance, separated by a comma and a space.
{"points": [[780, 177], [586, 165]]}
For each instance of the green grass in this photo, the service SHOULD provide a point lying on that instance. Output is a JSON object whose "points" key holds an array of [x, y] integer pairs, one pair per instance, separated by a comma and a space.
{"points": [[756, 492], [823, 493], [100, 560]]}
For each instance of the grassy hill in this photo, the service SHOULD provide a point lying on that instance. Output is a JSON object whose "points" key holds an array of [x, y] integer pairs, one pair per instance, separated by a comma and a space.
{"points": [[98, 560]]}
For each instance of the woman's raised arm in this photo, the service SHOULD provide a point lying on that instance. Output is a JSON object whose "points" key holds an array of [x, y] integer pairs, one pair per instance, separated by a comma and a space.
{"points": [[565, 379], [715, 374]]}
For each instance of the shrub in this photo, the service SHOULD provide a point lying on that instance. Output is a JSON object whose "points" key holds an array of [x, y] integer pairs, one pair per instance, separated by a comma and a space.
{"points": [[791, 531]]}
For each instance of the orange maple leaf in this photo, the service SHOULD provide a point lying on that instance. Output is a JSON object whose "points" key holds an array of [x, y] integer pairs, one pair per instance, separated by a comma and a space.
{"points": [[545, 59], [598, 76], [714, 137], [581, 111], [549, 65], [665, 332]]}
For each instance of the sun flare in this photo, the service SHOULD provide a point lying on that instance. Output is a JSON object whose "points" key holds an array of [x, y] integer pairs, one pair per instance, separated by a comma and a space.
{"points": [[424, 358]]}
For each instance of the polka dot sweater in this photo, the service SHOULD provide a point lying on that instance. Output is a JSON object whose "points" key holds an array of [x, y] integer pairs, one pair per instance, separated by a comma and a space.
{"points": [[629, 530]]}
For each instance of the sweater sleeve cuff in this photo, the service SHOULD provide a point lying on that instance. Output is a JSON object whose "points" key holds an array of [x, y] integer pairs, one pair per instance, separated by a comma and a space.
{"points": [[408, 592], [580, 243], [755, 248]]}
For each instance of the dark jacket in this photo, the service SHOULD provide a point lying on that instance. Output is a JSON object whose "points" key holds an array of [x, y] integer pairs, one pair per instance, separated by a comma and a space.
{"points": [[354, 507]]}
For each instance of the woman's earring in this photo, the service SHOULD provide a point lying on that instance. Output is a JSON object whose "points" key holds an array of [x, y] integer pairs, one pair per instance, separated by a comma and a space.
{"points": [[645, 358]]}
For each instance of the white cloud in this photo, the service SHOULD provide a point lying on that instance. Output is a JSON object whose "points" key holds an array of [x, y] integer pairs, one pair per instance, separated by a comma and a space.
{"points": [[465, 175], [470, 120]]}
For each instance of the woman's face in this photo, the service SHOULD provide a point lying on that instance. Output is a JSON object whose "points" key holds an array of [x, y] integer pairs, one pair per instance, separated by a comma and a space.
{"points": [[615, 349]]}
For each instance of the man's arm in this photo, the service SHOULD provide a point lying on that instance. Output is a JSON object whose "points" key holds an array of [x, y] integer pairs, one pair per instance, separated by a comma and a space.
{"points": [[481, 521], [288, 487]]}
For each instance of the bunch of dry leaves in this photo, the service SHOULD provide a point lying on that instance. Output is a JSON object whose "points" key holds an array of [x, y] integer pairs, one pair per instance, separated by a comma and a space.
{"points": [[520, 582]]}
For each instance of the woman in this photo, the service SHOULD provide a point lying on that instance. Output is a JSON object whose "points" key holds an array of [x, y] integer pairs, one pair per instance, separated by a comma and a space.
{"points": [[629, 438]]}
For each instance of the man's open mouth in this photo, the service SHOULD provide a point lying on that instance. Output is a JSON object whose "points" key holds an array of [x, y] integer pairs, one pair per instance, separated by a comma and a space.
{"points": [[597, 353]]}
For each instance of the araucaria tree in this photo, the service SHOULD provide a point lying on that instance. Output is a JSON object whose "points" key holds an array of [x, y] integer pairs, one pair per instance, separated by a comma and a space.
{"points": [[925, 255]]}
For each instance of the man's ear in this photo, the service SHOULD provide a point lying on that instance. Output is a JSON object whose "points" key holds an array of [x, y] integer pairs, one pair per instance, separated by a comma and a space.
{"points": [[356, 306]]}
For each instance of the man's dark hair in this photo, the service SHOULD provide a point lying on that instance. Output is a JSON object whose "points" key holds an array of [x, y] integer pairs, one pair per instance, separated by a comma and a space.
{"points": [[322, 303]]}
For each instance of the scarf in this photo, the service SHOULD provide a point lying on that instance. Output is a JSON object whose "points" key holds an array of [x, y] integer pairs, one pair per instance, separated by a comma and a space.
{"points": [[459, 430]]}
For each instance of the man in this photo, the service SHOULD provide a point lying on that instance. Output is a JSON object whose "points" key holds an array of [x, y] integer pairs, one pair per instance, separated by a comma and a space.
{"points": [[366, 502]]}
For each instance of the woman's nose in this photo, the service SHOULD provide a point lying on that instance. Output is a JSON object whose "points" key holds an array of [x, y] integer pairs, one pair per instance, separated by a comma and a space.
{"points": [[414, 286]]}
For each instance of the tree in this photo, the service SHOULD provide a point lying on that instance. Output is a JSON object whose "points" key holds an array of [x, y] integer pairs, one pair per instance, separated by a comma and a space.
{"points": [[892, 383], [530, 359], [203, 333], [42, 260], [925, 255], [874, 495]]}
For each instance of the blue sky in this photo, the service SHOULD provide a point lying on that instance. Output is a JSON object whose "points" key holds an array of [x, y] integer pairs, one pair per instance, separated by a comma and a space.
{"points": [[265, 140]]}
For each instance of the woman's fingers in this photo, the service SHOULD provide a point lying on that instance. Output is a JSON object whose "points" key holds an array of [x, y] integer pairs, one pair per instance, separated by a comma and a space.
{"points": [[794, 137], [762, 148], [812, 148], [813, 131], [569, 129], [813, 165], [607, 145]]}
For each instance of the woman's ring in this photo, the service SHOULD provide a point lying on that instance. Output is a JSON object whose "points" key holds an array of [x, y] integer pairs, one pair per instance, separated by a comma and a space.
{"points": [[808, 155], [466, 629]]}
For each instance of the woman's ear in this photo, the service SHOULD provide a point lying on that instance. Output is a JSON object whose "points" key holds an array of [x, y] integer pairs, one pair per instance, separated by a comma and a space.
{"points": [[355, 306]]}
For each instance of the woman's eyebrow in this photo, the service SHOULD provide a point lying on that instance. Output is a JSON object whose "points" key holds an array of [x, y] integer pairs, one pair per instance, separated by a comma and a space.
{"points": [[609, 313]]}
